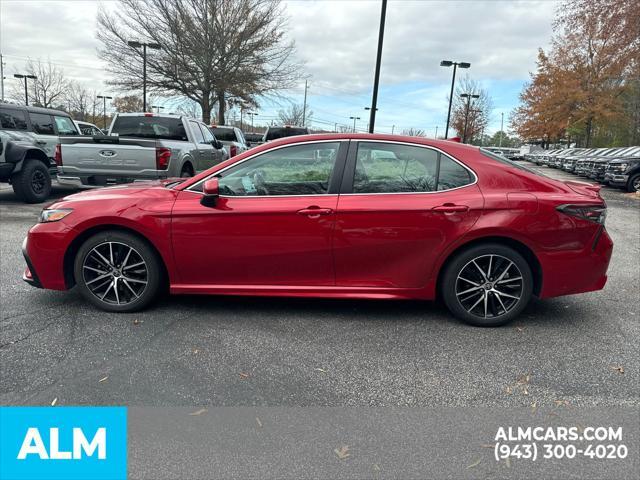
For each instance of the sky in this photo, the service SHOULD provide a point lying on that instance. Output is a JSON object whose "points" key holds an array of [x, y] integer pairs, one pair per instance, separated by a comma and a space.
{"points": [[336, 40]]}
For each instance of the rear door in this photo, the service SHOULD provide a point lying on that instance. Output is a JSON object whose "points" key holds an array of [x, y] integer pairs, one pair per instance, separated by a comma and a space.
{"points": [[43, 125], [400, 205]]}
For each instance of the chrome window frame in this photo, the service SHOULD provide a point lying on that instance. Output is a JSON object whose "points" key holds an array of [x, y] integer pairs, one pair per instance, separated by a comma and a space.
{"points": [[356, 141]]}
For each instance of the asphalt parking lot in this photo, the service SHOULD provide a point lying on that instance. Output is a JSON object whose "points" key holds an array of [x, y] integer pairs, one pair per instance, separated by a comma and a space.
{"points": [[582, 350]]}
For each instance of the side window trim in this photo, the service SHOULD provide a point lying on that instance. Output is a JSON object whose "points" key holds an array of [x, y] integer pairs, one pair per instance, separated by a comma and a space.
{"points": [[334, 182], [350, 169]]}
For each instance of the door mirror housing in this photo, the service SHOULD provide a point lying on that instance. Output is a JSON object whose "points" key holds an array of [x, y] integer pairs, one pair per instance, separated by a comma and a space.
{"points": [[217, 144], [211, 190]]}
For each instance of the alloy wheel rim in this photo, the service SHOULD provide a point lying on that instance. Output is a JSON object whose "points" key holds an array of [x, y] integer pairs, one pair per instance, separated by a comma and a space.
{"points": [[115, 273], [489, 286], [38, 181], [636, 184]]}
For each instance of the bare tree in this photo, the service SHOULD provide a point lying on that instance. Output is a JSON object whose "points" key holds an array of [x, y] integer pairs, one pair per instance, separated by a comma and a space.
{"points": [[476, 117], [48, 89], [212, 51], [294, 115], [81, 102], [413, 132], [127, 104]]}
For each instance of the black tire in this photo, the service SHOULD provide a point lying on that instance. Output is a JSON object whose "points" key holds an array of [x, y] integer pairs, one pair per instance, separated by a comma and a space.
{"points": [[187, 171], [33, 183], [497, 307], [127, 296], [634, 183]]}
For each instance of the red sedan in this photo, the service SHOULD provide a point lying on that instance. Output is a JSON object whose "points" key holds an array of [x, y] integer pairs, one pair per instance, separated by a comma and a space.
{"points": [[336, 216]]}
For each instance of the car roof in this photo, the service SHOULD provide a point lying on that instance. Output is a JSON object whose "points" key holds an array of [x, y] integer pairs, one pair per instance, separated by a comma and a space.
{"points": [[31, 109]]}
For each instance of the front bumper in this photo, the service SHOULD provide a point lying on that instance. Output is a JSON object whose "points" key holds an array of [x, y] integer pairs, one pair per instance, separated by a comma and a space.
{"points": [[44, 249], [615, 179]]}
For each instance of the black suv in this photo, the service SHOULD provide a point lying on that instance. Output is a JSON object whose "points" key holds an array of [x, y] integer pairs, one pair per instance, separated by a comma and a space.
{"points": [[624, 173]]}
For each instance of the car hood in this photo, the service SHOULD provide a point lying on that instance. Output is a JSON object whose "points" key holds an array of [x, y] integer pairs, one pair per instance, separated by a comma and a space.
{"points": [[119, 196]]}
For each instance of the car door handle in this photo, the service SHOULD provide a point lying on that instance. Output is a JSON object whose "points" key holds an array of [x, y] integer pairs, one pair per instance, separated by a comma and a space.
{"points": [[450, 208], [315, 212]]}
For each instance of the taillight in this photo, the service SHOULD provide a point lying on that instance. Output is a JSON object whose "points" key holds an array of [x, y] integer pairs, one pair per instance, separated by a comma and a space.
{"points": [[593, 213], [57, 156], [233, 151], [163, 155]]}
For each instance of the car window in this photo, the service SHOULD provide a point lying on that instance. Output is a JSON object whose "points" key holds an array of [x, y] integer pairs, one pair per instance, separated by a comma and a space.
{"points": [[169, 128], [273, 133], [295, 170], [197, 133], [224, 134], [42, 123], [65, 125], [11, 119], [452, 175], [206, 133], [240, 136], [396, 168]]}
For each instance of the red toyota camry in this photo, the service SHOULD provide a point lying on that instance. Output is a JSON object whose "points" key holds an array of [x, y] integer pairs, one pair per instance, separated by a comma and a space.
{"points": [[340, 216]]}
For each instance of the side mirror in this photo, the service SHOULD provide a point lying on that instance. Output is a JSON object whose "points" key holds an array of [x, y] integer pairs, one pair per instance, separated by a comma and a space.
{"points": [[211, 190], [217, 144]]}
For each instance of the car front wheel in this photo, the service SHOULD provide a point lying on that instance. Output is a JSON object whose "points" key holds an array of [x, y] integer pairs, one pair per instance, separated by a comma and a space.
{"points": [[487, 285], [634, 183], [118, 272], [33, 183]]}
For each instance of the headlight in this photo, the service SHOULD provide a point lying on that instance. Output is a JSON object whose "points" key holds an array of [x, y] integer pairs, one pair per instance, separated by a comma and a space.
{"points": [[622, 166], [54, 215]]}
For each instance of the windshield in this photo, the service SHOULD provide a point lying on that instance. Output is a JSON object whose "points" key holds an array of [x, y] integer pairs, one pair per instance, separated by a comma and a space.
{"points": [[224, 134], [168, 128], [274, 133]]}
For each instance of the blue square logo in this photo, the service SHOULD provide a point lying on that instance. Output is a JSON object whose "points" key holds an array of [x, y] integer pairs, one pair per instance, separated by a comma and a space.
{"points": [[63, 443]]}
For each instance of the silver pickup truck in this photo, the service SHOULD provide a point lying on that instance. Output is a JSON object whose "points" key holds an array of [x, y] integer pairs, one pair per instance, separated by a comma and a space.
{"points": [[139, 146]]}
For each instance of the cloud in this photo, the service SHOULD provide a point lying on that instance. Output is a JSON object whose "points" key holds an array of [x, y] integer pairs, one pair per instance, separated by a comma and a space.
{"points": [[337, 41]]}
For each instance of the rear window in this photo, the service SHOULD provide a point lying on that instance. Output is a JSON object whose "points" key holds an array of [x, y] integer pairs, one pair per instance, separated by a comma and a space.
{"points": [[150, 127], [273, 133], [11, 119], [224, 134], [510, 163]]}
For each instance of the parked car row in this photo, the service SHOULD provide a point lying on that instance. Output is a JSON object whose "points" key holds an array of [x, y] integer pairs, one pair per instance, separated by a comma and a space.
{"points": [[618, 167]]}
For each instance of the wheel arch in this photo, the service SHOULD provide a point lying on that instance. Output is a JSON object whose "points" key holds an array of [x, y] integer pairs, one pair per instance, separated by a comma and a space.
{"points": [[20, 156], [74, 246], [518, 246]]}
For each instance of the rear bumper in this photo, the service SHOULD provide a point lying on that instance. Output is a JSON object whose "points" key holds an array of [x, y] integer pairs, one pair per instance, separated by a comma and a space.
{"points": [[96, 181], [579, 271]]}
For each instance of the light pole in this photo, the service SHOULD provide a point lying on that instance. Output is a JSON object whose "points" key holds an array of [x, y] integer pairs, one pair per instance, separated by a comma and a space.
{"points": [[304, 108], [25, 76], [448, 63], [468, 96], [104, 108], [253, 114], [144, 45], [157, 107], [354, 122], [436, 132], [501, 128], [376, 79]]}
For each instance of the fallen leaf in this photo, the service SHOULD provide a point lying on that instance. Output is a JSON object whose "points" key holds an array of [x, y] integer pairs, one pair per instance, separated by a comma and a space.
{"points": [[487, 445], [244, 375], [617, 368], [137, 322], [103, 379], [195, 351], [198, 412], [474, 464], [561, 403], [376, 467], [321, 370], [55, 400], [258, 422], [534, 406], [520, 329], [342, 452], [508, 390]]}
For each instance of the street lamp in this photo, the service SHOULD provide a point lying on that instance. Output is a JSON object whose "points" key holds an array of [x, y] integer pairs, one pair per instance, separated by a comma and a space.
{"points": [[253, 114], [468, 96], [104, 108], [157, 107], [25, 76], [448, 63], [144, 45], [354, 122]]}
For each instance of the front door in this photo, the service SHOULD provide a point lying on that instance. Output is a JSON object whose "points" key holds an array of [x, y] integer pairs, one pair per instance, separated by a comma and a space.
{"points": [[400, 206], [272, 225], [204, 151]]}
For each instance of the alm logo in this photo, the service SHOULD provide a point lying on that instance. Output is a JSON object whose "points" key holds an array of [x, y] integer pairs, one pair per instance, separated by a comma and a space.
{"points": [[33, 445], [63, 443]]}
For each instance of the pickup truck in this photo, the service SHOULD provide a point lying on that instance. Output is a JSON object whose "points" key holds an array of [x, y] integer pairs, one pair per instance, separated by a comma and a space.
{"points": [[139, 146]]}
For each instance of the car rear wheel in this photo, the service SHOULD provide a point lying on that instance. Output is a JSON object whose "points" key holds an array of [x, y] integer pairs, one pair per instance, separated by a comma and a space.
{"points": [[487, 285], [33, 183], [634, 183], [118, 272], [186, 172]]}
